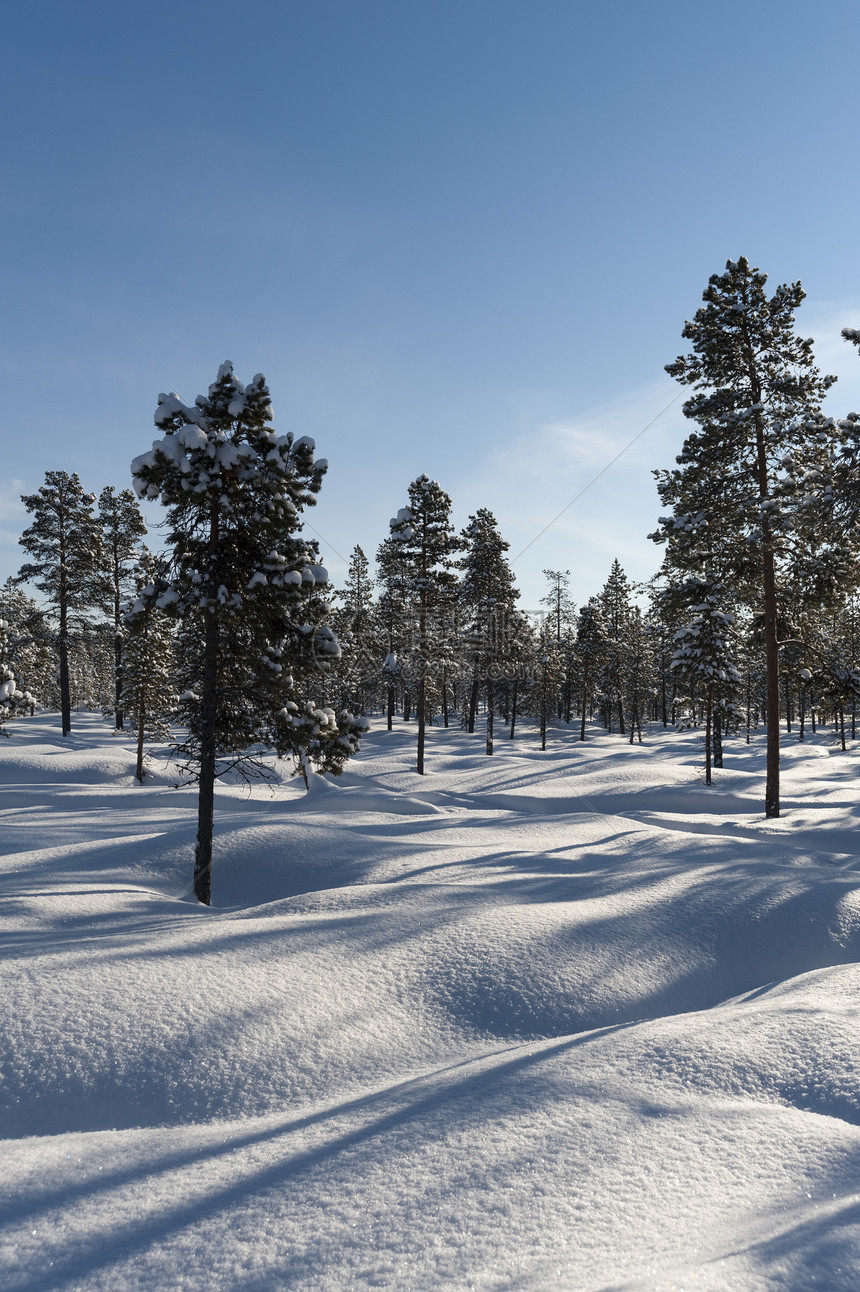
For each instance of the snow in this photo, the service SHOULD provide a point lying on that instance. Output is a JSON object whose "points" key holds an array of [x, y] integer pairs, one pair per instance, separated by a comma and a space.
{"points": [[561, 1021]]}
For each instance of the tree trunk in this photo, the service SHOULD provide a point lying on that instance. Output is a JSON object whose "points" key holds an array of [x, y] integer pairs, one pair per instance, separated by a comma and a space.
{"points": [[708, 714], [65, 689], [390, 707], [490, 700], [718, 739], [422, 682], [141, 724], [206, 789], [584, 700], [208, 717], [444, 697], [473, 706], [514, 707], [119, 716]]}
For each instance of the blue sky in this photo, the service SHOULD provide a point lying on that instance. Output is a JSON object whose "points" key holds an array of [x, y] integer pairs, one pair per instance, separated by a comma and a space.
{"points": [[458, 237]]}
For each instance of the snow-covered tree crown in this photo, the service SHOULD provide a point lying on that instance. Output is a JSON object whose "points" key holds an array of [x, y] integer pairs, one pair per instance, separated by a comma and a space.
{"points": [[220, 459]]}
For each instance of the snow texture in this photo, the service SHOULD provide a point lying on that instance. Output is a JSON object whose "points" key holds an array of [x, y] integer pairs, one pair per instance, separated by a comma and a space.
{"points": [[562, 1021]]}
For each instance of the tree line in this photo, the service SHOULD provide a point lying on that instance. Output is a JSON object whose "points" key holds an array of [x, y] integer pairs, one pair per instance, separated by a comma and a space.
{"points": [[234, 638]]}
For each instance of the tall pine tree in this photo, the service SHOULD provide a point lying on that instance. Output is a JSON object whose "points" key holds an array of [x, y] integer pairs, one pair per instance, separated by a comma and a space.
{"points": [[65, 542], [246, 587], [756, 397], [428, 545], [122, 531]]}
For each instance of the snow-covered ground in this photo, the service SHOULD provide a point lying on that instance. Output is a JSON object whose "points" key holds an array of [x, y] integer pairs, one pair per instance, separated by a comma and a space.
{"points": [[561, 1021]]}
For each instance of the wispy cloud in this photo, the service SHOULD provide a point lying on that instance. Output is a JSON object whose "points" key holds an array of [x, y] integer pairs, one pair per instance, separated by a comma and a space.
{"points": [[12, 512]]}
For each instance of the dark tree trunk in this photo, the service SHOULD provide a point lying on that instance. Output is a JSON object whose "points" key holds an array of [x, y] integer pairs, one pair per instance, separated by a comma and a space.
{"points": [[444, 697], [422, 682], [708, 714], [141, 724], [119, 716], [473, 706], [718, 739], [584, 701], [206, 792], [490, 701], [514, 707], [390, 707], [208, 719], [65, 689]]}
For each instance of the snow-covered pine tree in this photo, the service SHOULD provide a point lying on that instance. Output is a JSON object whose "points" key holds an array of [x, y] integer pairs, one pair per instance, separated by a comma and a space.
{"points": [[488, 597], [591, 648], [31, 645], [354, 622], [65, 542], [122, 532], [429, 545], [616, 609], [703, 657], [149, 675], [392, 617], [246, 588], [13, 702], [547, 675], [756, 401], [562, 612]]}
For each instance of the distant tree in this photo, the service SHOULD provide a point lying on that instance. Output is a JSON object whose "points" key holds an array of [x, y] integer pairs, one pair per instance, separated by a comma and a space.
{"points": [[488, 596], [560, 608], [13, 702], [122, 531], [393, 617], [428, 547], [354, 622], [149, 690], [590, 647], [65, 542], [246, 589], [617, 610], [704, 657]]}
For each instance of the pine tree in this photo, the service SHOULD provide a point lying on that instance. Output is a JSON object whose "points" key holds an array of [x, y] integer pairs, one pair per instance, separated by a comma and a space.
{"points": [[428, 546], [591, 648], [149, 685], [122, 530], [392, 615], [246, 588], [356, 628], [547, 674], [65, 542], [617, 610], [756, 401], [30, 644], [13, 701], [561, 612], [488, 597], [703, 657]]}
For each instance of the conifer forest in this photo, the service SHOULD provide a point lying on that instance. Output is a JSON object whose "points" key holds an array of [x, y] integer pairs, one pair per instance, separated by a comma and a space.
{"points": [[390, 932]]}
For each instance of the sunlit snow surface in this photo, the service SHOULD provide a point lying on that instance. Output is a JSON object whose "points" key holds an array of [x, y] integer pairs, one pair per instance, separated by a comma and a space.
{"points": [[562, 1021]]}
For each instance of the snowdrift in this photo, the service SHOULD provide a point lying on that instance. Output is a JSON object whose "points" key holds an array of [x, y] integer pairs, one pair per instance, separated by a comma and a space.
{"points": [[568, 1021]]}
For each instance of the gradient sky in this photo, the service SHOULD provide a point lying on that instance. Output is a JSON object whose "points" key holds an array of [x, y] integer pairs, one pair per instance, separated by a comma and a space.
{"points": [[458, 236]]}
